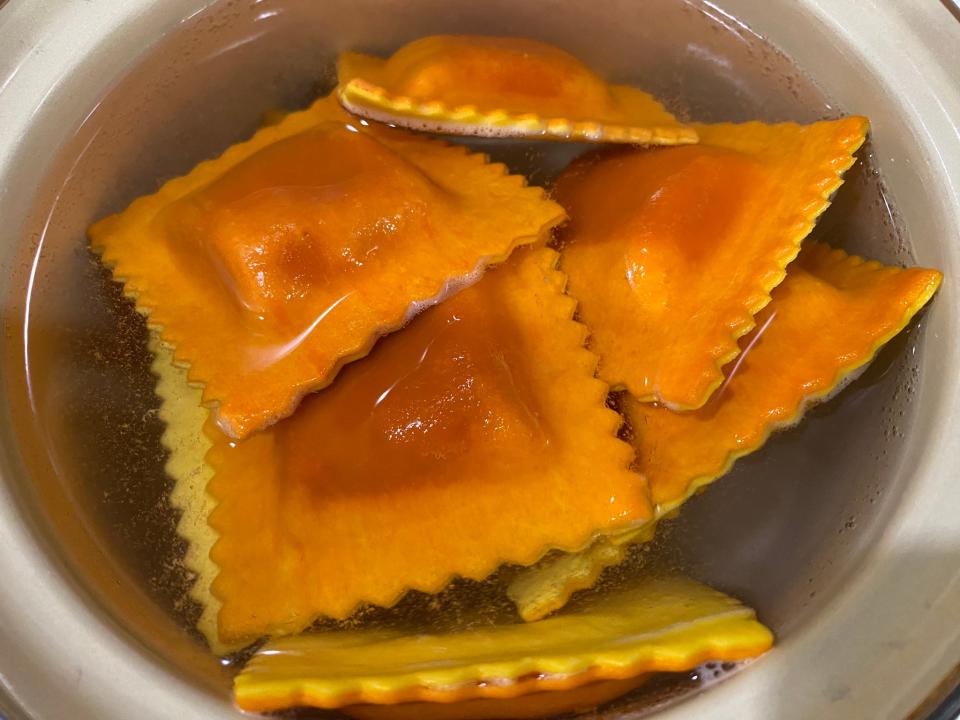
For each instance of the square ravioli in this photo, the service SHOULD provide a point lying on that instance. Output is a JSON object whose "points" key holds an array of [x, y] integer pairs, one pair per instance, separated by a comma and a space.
{"points": [[270, 267], [502, 86], [477, 436], [825, 323], [672, 251]]}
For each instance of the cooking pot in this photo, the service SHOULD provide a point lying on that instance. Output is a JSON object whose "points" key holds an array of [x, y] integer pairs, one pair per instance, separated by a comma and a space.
{"points": [[843, 533]]}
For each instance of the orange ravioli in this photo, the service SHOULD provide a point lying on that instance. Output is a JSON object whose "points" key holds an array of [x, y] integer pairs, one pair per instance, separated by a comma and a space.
{"points": [[665, 624], [501, 86], [671, 252], [290, 254], [477, 436], [826, 321]]}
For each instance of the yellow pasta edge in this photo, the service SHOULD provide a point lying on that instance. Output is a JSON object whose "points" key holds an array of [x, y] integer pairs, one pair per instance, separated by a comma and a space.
{"points": [[375, 102]]}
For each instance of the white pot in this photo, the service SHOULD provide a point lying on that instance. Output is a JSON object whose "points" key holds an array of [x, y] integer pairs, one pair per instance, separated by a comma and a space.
{"points": [[79, 639]]}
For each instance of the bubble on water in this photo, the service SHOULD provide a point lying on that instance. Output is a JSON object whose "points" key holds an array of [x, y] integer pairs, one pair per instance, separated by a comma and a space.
{"points": [[711, 673]]}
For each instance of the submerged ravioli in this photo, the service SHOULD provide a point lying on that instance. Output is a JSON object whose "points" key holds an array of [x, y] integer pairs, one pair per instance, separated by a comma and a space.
{"points": [[826, 321], [671, 252], [547, 586], [271, 266], [501, 86], [666, 624], [184, 418], [478, 435]]}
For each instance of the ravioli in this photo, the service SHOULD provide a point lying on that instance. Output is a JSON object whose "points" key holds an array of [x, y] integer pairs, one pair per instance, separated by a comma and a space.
{"points": [[421, 462], [500, 86], [289, 255], [531, 703], [542, 588], [665, 624], [184, 418], [672, 251], [825, 323]]}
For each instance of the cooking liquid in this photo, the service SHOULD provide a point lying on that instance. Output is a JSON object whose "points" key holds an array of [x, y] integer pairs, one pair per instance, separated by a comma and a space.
{"points": [[778, 529]]}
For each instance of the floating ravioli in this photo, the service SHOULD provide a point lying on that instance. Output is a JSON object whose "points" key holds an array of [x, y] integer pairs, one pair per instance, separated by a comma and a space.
{"points": [[477, 435], [672, 251], [666, 624], [497, 86], [826, 321], [534, 703], [271, 266]]}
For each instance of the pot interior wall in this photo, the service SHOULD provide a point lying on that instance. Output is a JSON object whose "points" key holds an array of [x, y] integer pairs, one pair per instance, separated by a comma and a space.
{"points": [[781, 531]]}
